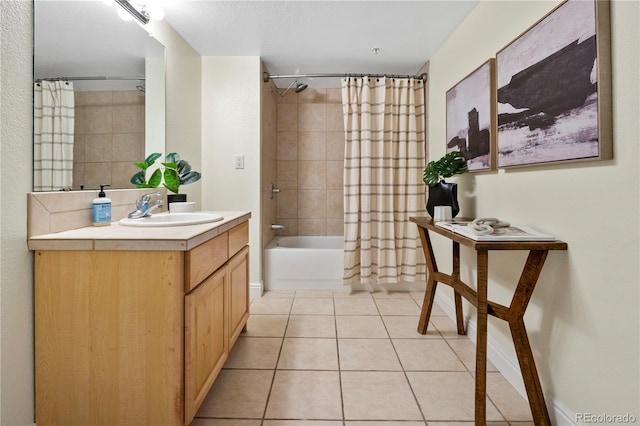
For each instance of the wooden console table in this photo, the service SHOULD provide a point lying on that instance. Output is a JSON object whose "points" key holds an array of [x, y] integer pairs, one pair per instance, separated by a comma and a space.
{"points": [[512, 314]]}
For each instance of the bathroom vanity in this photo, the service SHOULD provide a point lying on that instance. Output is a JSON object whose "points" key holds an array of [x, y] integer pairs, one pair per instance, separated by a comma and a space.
{"points": [[132, 325]]}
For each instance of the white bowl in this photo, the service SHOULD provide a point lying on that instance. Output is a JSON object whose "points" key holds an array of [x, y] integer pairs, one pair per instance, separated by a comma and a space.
{"points": [[182, 207]]}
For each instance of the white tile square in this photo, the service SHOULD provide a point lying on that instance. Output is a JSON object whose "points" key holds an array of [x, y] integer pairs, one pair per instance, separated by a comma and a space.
{"points": [[302, 353], [305, 395], [378, 395], [368, 355]]}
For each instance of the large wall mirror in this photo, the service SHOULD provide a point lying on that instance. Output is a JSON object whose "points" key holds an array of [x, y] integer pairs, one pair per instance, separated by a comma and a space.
{"points": [[99, 95]]}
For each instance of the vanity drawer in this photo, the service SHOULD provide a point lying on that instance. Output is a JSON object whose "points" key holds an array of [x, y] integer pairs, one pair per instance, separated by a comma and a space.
{"points": [[203, 260], [238, 238]]}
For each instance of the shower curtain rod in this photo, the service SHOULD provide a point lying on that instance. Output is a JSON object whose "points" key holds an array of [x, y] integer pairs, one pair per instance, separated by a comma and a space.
{"points": [[266, 77], [100, 78]]}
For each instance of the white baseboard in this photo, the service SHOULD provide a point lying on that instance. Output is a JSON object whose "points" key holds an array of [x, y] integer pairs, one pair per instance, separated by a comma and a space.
{"points": [[255, 290], [508, 366]]}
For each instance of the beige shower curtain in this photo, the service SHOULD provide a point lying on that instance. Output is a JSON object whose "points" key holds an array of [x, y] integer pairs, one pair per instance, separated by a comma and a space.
{"points": [[384, 159], [53, 122]]}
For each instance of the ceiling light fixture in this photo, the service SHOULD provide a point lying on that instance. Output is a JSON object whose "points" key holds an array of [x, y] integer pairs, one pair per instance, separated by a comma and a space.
{"points": [[141, 16]]}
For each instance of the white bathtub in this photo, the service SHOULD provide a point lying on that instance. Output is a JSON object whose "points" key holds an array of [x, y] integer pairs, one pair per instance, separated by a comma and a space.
{"points": [[304, 263]]}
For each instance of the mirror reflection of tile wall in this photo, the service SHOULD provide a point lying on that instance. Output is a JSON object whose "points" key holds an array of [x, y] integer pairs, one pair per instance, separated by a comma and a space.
{"points": [[310, 161], [109, 137]]}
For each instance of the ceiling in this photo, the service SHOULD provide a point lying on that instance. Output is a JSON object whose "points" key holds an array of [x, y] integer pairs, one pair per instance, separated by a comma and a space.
{"points": [[291, 37], [311, 37]]}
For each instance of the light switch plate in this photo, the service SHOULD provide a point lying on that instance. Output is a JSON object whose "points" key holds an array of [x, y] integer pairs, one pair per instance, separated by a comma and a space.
{"points": [[239, 161]]}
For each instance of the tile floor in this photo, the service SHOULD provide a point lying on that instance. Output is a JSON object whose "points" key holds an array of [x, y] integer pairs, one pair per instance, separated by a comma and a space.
{"points": [[325, 358]]}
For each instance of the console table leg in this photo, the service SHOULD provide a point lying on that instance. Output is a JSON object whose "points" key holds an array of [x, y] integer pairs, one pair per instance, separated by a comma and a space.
{"points": [[529, 373], [456, 296], [457, 299], [481, 338], [427, 304], [432, 284]]}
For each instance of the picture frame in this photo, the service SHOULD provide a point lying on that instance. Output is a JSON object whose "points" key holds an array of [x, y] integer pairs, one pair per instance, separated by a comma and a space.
{"points": [[471, 118], [554, 89]]}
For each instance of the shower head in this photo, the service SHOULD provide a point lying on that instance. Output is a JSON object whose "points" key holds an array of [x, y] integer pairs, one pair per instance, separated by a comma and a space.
{"points": [[299, 88]]}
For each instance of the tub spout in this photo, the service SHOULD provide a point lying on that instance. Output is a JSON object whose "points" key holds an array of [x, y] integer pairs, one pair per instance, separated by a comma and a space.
{"points": [[277, 227]]}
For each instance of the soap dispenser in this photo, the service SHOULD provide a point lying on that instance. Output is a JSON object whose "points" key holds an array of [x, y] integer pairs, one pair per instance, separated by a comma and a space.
{"points": [[102, 209]]}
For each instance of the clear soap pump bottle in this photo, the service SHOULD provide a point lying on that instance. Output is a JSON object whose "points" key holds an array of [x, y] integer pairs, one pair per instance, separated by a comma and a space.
{"points": [[102, 209]]}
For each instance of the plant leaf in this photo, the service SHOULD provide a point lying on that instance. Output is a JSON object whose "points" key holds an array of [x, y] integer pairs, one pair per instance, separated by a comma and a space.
{"points": [[138, 179], [450, 164], [155, 179], [171, 180], [152, 158], [172, 166], [172, 157], [431, 174], [190, 177], [143, 166], [183, 167]]}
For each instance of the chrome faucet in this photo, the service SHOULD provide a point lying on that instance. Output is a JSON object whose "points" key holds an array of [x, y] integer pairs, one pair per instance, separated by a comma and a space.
{"points": [[143, 208]]}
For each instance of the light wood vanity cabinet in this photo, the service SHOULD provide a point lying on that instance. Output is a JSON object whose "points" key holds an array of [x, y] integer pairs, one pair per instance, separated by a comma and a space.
{"points": [[206, 342], [136, 337]]}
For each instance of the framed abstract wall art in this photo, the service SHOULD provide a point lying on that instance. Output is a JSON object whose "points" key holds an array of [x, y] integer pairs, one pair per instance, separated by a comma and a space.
{"points": [[471, 118], [554, 89]]}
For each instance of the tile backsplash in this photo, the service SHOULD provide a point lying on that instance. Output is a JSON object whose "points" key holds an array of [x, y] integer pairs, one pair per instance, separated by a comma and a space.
{"points": [[50, 212]]}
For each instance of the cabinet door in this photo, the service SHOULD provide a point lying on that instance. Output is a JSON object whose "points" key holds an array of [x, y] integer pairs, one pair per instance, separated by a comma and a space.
{"points": [[238, 294], [108, 337], [206, 339]]}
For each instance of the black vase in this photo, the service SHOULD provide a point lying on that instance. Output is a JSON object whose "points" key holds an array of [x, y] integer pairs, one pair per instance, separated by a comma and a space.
{"points": [[176, 198], [443, 194]]}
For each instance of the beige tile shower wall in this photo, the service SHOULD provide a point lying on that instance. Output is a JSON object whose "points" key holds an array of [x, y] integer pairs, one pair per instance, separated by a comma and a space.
{"points": [[109, 137], [310, 156]]}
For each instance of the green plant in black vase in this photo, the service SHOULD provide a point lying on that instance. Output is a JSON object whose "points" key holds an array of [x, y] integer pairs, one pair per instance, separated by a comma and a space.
{"points": [[178, 172], [442, 193], [451, 164], [173, 173]]}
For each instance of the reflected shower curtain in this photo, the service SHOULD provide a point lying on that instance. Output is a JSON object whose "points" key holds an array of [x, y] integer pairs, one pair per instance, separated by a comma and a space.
{"points": [[53, 121], [384, 158]]}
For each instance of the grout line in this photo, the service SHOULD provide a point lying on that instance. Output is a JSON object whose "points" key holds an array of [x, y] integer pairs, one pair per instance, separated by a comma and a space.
{"points": [[275, 368], [335, 325]]}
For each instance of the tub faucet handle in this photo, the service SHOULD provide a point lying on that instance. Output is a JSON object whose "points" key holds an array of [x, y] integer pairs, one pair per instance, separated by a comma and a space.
{"points": [[277, 227], [274, 190]]}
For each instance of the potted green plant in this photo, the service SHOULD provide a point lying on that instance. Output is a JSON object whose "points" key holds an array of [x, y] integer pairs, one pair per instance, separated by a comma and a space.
{"points": [[140, 178], [443, 193], [173, 173], [177, 172]]}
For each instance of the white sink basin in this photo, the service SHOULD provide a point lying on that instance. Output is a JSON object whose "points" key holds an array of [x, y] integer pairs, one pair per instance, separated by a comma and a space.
{"points": [[172, 219]]}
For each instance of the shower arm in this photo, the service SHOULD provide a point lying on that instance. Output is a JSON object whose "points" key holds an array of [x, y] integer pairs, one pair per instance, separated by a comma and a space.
{"points": [[266, 76]]}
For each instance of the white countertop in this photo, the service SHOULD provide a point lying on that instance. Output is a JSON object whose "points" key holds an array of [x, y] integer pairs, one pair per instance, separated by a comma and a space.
{"points": [[117, 237]]}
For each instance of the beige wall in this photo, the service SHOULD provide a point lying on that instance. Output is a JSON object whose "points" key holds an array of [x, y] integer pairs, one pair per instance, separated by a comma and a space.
{"points": [[231, 126], [183, 95], [108, 137], [310, 162], [583, 318], [16, 179]]}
